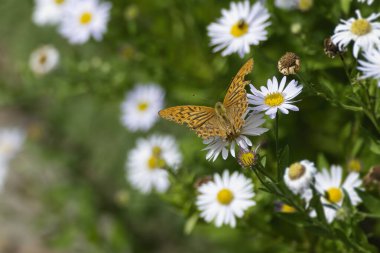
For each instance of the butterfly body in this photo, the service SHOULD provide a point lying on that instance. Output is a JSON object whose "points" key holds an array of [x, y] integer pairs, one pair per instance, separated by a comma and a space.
{"points": [[225, 120]]}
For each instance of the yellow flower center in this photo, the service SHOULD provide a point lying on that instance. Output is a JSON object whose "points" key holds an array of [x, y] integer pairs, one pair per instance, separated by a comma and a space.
{"points": [[59, 1], [305, 5], [274, 99], [42, 59], [247, 159], [142, 106], [85, 18], [239, 29], [354, 165], [360, 27], [287, 209], [334, 195], [155, 162], [225, 196], [296, 170], [156, 151]]}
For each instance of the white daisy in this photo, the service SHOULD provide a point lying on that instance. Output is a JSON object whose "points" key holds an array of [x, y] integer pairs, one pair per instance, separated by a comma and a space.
{"points": [[251, 127], [11, 141], [48, 12], [239, 27], [369, 2], [275, 97], [364, 33], [147, 163], [329, 184], [299, 176], [225, 198], [141, 105], [286, 4], [84, 19], [370, 67], [44, 59]]}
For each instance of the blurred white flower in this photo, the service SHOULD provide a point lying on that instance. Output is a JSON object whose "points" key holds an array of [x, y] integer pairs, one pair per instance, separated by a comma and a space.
{"points": [[299, 176], [251, 127], [44, 59], [11, 141], [48, 12], [84, 19], [370, 66], [275, 97], [329, 184], [363, 31], [239, 27], [141, 105], [147, 163], [286, 4], [369, 2], [225, 198]]}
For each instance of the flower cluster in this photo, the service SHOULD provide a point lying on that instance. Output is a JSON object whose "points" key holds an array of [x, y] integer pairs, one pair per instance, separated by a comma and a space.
{"points": [[77, 21], [300, 177], [365, 34]]}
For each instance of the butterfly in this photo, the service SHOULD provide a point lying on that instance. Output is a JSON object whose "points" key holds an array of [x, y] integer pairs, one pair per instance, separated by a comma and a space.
{"points": [[225, 120]]}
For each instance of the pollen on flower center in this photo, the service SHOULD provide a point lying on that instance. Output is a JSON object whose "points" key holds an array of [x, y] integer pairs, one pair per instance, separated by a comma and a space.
{"points": [[85, 18], [360, 27], [274, 99], [59, 1], [142, 106], [296, 170], [334, 195], [247, 159], [156, 150], [239, 29], [225, 196], [155, 162]]}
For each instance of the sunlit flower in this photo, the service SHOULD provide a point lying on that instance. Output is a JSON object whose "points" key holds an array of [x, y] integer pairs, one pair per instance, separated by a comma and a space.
{"points": [[369, 2], [48, 12], [225, 198], [363, 31], [370, 66], [299, 176], [147, 163], [329, 185], [275, 97], [251, 127], [240, 27], [141, 105], [44, 59], [84, 19]]}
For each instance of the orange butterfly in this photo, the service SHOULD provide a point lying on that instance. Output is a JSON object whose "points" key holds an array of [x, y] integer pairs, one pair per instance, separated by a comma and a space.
{"points": [[225, 119]]}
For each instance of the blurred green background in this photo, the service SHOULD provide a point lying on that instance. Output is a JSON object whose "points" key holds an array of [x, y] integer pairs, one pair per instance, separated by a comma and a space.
{"points": [[66, 191]]}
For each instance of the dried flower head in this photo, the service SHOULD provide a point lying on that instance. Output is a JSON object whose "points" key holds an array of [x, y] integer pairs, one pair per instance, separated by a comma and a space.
{"points": [[201, 181], [331, 50], [289, 63], [372, 179]]}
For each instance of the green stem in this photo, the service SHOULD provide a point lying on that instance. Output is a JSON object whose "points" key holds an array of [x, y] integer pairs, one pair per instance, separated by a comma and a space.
{"points": [[277, 152], [345, 68]]}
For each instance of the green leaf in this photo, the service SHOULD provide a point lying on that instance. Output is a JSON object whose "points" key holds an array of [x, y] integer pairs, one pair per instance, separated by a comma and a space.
{"points": [[375, 147], [345, 6], [370, 202], [322, 161], [190, 224]]}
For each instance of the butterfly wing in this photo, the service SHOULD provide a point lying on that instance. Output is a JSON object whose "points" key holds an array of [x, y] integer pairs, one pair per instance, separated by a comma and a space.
{"points": [[235, 101], [202, 119]]}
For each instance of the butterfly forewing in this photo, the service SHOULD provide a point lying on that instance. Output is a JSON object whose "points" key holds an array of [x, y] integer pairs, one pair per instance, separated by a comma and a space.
{"points": [[235, 101], [205, 121]]}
